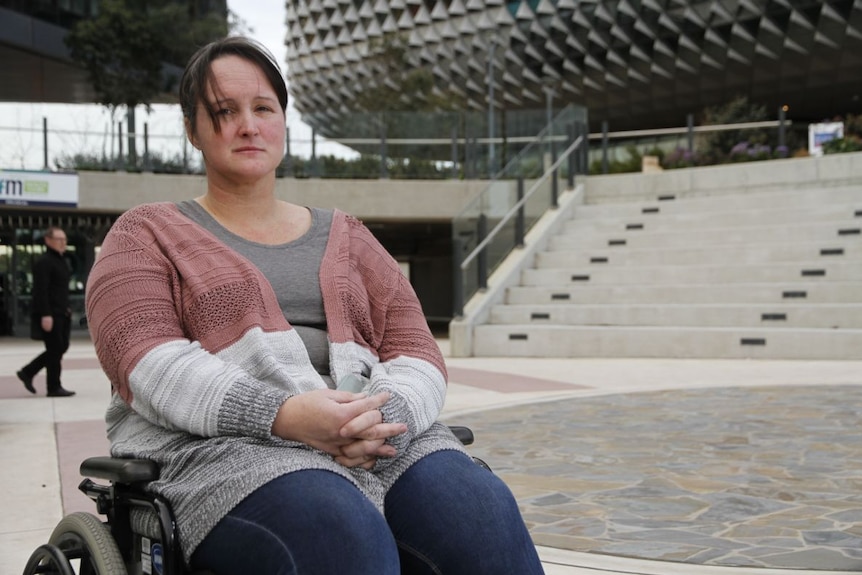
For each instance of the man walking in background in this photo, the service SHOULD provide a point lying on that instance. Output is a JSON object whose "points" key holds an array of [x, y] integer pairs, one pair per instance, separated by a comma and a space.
{"points": [[51, 314]]}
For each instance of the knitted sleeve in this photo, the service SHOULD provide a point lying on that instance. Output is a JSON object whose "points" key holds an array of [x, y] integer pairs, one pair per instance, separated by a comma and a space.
{"points": [[138, 306], [379, 313]]}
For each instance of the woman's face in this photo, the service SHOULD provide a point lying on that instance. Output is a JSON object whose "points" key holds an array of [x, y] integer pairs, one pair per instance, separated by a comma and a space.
{"points": [[250, 143]]}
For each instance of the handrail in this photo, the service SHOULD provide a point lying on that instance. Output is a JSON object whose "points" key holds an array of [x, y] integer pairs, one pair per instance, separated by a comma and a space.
{"points": [[520, 203], [694, 129], [505, 206], [545, 135]]}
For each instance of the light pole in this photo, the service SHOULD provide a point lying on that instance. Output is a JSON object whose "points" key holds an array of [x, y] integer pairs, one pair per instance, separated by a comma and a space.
{"points": [[491, 159], [550, 91], [782, 117]]}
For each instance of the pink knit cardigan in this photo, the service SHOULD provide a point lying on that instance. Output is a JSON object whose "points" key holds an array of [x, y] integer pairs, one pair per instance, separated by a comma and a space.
{"points": [[200, 358]]}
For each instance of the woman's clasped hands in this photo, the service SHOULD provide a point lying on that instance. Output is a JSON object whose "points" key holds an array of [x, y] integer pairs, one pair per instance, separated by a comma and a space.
{"points": [[348, 426]]}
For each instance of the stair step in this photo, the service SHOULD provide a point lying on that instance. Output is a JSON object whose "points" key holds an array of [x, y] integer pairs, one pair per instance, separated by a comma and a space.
{"points": [[676, 342], [694, 274], [744, 193], [782, 315], [743, 236], [831, 292], [827, 252], [813, 199], [634, 219]]}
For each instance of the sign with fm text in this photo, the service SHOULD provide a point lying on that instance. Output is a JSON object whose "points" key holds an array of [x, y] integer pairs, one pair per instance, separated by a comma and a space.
{"points": [[45, 189]]}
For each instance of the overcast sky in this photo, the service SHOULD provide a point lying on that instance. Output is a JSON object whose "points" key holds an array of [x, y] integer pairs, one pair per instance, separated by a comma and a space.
{"points": [[79, 128]]}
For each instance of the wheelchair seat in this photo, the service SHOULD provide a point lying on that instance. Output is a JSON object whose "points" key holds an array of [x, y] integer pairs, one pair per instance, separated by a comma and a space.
{"points": [[140, 534]]}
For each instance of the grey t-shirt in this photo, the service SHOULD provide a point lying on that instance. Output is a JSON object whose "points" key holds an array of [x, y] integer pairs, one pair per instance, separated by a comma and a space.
{"points": [[293, 269]]}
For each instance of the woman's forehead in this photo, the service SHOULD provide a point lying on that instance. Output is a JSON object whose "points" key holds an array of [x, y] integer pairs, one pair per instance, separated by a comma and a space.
{"points": [[234, 75]]}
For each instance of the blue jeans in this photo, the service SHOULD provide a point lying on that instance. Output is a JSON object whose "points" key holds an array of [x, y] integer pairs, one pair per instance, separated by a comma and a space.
{"points": [[444, 516]]}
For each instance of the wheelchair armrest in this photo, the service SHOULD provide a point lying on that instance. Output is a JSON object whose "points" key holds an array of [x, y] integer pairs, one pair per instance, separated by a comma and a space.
{"points": [[462, 434], [120, 470]]}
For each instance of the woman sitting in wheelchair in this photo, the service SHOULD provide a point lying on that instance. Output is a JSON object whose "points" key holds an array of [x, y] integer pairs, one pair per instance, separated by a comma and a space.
{"points": [[225, 324]]}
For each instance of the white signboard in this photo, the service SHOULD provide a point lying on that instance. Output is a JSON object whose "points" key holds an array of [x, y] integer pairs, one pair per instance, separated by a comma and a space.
{"points": [[46, 189], [820, 133]]}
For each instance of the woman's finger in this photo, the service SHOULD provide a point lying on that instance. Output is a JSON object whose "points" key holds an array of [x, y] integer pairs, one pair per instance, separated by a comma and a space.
{"points": [[364, 462], [365, 448], [362, 422]]}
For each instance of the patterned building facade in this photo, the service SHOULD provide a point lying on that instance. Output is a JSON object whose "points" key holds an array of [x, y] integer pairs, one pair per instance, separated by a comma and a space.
{"points": [[633, 63]]}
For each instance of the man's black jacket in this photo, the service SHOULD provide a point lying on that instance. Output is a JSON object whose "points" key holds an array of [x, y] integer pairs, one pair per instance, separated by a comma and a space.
{"points": [[50, 285]]}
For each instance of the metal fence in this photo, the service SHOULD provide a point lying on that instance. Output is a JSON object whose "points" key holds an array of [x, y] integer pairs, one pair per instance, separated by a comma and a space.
{"points": [[414, 145], [397, 145]]}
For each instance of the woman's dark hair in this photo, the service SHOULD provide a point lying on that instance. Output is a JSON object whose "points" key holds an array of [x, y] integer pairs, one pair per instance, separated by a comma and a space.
{"points": [[198, 74]]}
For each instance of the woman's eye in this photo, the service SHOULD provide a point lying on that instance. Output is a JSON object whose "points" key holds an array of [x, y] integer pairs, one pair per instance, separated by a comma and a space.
{"points": [[223, 112]]}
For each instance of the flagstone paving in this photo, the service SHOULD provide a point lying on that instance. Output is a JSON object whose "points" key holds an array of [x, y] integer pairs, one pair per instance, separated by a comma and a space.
{"points": [[760, 477]]}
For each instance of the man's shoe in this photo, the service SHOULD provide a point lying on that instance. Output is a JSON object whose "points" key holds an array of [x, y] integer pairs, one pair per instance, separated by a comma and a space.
{"points": [[27, 381], [60, 392]]}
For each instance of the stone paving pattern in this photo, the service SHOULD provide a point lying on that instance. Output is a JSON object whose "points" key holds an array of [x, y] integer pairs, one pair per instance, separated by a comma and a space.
{"points": [[754, 476]]}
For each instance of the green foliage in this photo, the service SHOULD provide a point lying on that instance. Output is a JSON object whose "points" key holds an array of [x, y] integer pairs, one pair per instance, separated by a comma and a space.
{"points": [[679, 158], [848, 143], [715, 147], [853, 125], [122, 53], [367, 167], [633, 162], [124, 48], [175, 164], [417, 169], [852, 140], [83, 163], [184, 30], [158, 164]]}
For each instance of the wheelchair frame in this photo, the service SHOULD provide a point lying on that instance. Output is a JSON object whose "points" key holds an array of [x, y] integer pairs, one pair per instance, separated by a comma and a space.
{"points": [[118, 546]]}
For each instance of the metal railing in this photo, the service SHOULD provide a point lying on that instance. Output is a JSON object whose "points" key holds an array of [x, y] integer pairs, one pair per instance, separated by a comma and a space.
{"points": [[618, 143], [396, 145], [497, 220]]}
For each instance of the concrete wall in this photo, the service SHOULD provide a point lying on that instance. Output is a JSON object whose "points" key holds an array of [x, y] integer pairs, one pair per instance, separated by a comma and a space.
{"points": [[441, 200], [379, 200], [772, 175]]}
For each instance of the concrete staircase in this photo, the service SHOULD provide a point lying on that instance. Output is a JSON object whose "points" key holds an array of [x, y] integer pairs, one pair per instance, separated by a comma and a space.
{"points": [[750, 271]]}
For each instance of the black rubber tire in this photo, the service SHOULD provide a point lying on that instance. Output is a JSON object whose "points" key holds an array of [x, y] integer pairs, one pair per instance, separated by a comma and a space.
{"points": [[83, 536]]}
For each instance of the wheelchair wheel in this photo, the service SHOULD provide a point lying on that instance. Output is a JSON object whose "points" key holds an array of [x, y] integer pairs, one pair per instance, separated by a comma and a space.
{"points": [[83, 537], [49, 560]]}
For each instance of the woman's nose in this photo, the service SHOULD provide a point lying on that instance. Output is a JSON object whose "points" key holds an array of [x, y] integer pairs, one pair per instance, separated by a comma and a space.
{"points": [[248, 123]]}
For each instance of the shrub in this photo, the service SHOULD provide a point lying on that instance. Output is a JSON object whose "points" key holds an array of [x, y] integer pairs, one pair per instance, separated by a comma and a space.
{"points": [[841, 145], [679, 158]]}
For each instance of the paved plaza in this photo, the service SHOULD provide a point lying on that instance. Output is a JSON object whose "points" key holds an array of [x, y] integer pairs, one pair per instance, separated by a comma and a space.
{"points": [[655, 467]]}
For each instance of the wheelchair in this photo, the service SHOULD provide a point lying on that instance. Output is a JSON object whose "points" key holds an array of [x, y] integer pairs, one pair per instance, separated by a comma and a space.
{"points": [[140, 534]]}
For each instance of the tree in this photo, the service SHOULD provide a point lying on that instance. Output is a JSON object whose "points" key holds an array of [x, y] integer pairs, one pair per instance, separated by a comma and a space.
{"points": [[125, 47], [122, 53]]}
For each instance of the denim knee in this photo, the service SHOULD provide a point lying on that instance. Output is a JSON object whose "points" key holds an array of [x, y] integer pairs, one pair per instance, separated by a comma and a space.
{"points": [[309, 522], [451, 516]]}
